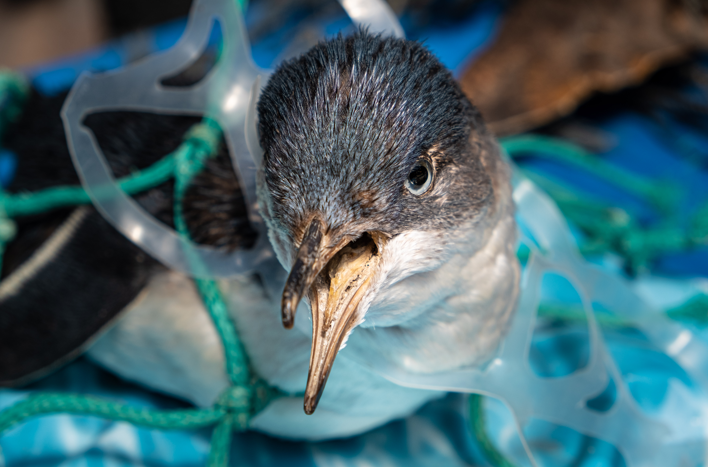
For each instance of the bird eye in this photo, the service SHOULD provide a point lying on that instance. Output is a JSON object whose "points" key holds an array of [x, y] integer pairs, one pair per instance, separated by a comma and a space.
{"points": [[420, 178]]}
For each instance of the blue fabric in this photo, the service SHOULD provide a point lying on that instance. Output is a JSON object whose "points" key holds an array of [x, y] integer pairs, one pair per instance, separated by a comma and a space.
{"points": [[458, 43], [426, 439], [53, 78]]}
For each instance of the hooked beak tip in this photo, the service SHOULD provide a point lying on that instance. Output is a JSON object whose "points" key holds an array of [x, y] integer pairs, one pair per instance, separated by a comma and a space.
{"points": [[310, 405], [288, 314], [313, 392], [288, 322]]}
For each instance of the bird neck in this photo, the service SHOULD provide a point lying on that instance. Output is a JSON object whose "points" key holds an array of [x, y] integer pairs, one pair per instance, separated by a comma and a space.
{"points": [[468, 301]]}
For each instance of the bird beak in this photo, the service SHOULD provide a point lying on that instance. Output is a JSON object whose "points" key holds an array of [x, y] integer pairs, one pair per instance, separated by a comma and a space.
{"points": [[307, 265], [336, 279]]}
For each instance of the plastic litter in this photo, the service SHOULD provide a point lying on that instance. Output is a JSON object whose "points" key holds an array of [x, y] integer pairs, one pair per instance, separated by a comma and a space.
{"points": [[643, 440], [223, 95], [228, 94]]}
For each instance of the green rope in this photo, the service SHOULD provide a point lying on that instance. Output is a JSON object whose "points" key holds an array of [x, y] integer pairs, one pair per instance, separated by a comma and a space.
{"points": [[694, 311], [204, 142], [14, 91], [221, 443], [576, 314], [205, 139], [610, 228], [45, 404], [562, 151], [25, 204], [698, 231], [479, 429], [236, 362]]}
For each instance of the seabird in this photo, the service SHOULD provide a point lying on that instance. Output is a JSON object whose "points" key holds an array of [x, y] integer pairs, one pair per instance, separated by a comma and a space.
{"points": [[388, 202]]}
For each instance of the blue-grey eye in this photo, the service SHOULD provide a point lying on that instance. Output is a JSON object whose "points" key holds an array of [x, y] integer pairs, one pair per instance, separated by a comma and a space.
{"points": [[420, 178]]}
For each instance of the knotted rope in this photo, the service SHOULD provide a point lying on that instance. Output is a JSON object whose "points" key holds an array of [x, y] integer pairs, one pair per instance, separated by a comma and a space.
{"points": [[610, 228], [203, 142]]}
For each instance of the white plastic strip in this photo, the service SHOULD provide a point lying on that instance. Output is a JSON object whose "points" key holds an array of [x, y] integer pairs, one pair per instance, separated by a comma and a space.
{"points": [[376, 15]]}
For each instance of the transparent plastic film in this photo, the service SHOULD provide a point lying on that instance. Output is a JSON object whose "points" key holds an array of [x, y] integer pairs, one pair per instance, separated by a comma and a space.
{"points": [[227, 94], [657, 440]]}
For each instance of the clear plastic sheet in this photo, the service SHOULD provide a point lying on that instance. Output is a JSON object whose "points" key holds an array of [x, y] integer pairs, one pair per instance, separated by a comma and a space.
{"points": [[229, 93]]}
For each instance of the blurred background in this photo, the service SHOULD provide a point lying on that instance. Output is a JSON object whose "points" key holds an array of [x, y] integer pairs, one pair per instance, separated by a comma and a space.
{"points": [[35, 31], [539, 58]]}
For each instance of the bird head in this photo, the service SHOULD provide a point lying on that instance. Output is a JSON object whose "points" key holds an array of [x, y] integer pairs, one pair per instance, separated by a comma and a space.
{"points": [[373, 171]]}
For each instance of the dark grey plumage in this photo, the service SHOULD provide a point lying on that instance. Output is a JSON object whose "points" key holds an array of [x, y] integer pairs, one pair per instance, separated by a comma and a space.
{"points": [[97, 271], [343, 125]]}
